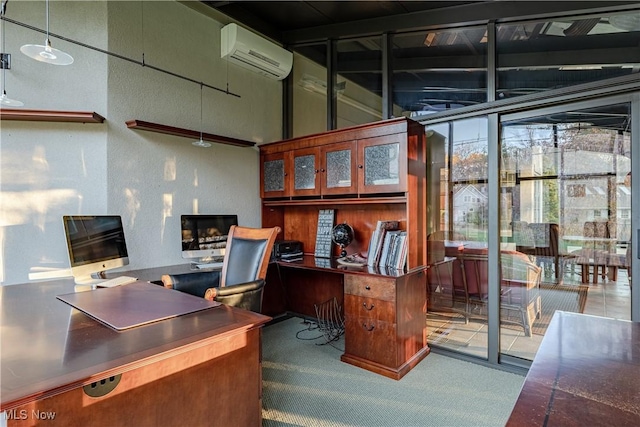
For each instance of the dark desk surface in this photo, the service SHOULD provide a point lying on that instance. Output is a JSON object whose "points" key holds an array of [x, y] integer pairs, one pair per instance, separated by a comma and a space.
{"points": [[586, 373], [309, 262], [48, 345], [154, 274]]}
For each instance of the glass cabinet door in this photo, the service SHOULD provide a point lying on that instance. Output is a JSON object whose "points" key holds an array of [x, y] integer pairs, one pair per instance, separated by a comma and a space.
{"points": [[381, 167], [274, 175], [338, 169], [306, 178]]}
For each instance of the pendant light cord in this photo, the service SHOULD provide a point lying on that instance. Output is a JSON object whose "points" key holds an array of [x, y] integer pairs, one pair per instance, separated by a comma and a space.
{"points": [[142, 28], [201, 85], [4, 52], [5, 59], [47, 15]]}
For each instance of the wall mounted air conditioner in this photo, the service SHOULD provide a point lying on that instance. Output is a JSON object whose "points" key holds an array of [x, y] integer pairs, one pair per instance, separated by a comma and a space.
{"points": [[251, 51]]}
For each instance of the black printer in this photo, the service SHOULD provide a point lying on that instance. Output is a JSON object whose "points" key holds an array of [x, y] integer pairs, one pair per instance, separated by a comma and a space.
{"points": [[287, 250]]}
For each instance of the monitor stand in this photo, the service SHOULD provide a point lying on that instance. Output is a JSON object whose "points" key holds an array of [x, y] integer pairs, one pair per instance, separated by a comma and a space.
{"points": [[209, 260], [88, 282], [206, 263]]}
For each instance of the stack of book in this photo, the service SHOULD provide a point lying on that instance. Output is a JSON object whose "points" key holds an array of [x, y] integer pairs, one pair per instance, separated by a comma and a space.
{"points": [[388, 246]]}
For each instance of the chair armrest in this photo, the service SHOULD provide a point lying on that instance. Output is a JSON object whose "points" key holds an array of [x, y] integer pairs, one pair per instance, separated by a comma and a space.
{"points": [[240, 288], [195, 283]]}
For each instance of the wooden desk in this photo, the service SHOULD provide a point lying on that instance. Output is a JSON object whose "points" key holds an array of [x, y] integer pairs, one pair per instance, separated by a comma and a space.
{"points": [[585, 373], [384, 310], [202, 368], [154, 274]]}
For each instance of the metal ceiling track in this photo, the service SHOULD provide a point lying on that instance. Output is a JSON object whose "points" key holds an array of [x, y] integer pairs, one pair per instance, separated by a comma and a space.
{"points": [[115, 55]]}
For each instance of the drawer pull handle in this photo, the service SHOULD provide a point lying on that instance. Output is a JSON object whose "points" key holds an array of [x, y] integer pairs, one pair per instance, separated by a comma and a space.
{"points": [[368, 287], [368, 328], [364, 304]]}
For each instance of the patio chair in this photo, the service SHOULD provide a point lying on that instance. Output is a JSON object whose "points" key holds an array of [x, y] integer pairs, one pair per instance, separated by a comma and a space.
{"points": [[519, 286]]}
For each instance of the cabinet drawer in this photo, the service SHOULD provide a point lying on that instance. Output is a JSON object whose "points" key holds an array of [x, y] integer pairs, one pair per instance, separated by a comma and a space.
{"points": [[372, 340], [370, 287], [369, 308]]}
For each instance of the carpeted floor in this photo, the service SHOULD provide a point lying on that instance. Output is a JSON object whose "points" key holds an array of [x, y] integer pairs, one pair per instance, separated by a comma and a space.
{"points": [[306, 384]]}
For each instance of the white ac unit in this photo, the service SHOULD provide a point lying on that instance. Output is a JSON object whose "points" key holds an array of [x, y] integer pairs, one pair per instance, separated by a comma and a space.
{"points": [[254, 52]]}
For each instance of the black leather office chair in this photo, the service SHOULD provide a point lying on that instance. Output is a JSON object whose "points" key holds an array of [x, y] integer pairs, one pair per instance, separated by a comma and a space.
{"points": [[242, 279]]}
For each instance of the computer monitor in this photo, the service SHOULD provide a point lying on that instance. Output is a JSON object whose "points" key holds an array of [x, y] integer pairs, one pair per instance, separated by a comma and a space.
{"points": [[204, 237], [96, 243]]}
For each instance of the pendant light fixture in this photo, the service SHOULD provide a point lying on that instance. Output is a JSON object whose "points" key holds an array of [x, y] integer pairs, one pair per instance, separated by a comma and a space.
{"points": [[46, 53], [201, 143], [4, 99]]}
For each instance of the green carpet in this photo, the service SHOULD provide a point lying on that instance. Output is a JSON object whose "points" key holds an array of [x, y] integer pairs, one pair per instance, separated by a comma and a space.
{"points": [[306, 384]]}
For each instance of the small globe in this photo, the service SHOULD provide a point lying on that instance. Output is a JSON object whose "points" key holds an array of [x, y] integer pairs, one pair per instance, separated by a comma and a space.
{"points": [[342, 234]]}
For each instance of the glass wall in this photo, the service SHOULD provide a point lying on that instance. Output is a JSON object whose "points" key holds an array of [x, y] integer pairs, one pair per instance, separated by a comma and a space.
{"points": [[553, 53], [310, 89], [457, 242], [568, 242], [565, 227], [564, 171], [439, 70], [359, 81]]}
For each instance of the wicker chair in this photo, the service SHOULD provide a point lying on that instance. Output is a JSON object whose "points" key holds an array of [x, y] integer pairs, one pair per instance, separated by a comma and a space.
{"points": [[519, 285]]}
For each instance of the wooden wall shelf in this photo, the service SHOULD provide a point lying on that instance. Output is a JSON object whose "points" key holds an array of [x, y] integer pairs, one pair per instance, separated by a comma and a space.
{"points": [[186, 133], [51, 116]]}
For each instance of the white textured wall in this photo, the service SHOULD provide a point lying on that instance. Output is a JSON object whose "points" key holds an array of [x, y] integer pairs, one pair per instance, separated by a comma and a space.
{"points": [[49, 170]]}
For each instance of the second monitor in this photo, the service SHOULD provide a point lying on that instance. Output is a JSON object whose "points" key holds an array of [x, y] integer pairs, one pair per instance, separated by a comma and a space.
{"points": [[204, 237]]}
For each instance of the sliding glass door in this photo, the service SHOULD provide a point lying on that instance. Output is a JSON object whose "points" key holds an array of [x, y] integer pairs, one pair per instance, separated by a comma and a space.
{"points": [[565, 224], [565, 235], [458, 229], [532, 212]]}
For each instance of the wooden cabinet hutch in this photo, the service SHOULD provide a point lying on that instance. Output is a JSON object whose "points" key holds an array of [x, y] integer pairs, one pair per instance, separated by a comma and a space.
{"points": [[364, 173]]}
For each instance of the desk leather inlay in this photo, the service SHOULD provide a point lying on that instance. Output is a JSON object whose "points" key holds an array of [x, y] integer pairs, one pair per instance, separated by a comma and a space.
{"points": [[135, 304]]}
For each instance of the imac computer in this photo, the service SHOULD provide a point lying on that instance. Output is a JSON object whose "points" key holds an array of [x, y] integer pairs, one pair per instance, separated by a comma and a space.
{"points": [[96, 244], [204, 237]]}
